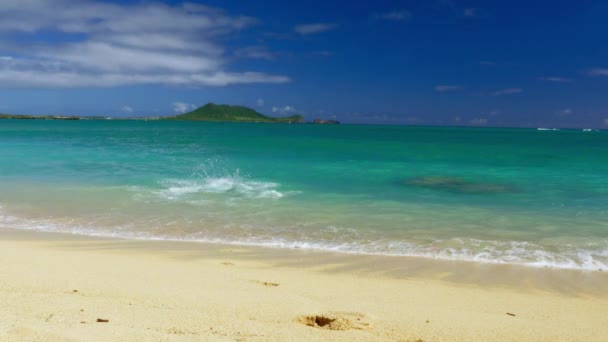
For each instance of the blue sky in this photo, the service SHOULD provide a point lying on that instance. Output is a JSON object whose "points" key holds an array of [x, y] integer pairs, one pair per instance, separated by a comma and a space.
{"points": [[447, 62]]}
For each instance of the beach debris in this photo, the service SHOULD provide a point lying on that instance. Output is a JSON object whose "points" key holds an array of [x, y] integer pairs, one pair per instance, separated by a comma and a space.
{"points": [[181, 331], [511, 314], [102, 320], [227, 263], [83, 322], [457, 184], [49, 317], [178, 331], [74, 291], [335, 321], [266, 283]]}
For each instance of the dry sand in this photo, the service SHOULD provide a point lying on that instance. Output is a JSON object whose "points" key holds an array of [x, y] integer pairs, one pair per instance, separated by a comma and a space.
{"points": [[55, 287]]}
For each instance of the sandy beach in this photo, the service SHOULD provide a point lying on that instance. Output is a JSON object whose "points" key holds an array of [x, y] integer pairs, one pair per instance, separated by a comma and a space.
{"points": [[407, 171], [58, 287]]}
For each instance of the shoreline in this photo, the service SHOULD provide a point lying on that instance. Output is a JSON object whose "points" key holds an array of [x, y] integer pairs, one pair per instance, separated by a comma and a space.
{"points": [[472, 273], [318, 248], [182, 291]]}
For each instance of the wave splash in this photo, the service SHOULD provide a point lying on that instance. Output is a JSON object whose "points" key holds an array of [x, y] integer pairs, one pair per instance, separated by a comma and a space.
{"points": [[211, 178], [176, 188]]}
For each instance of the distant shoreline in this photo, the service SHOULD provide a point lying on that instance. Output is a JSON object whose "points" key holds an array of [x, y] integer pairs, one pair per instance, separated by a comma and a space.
{"points": [[38, 117], [76, 118], [115, 118]]}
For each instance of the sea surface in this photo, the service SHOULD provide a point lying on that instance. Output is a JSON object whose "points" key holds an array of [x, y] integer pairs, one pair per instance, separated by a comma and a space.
{"points": [[518, 196]]}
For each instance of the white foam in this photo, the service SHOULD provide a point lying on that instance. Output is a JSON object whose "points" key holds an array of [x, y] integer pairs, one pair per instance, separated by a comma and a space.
{"points": [[211, 177], [174, 189], [592, 256]]}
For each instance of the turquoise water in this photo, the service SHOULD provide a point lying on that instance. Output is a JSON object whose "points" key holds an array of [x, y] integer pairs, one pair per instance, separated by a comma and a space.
{"points": [[519, 196]]}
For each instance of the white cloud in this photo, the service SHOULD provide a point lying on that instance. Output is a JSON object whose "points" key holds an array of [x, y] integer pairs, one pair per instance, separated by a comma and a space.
{"points": [[109, 57], [223, 78], [52, 78], [565, 112], [260, 102], [442, 88], [306, 29], [254, 52], [479, 121], [598, 72], [555, 79], [103, 44], [606, 122], [507, 91], [401, 15], [127, 109], [283, 110], [90, 16], [182, 107]]}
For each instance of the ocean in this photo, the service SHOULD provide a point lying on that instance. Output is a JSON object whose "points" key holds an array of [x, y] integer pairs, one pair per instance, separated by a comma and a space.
{"points": [[537, 198]]}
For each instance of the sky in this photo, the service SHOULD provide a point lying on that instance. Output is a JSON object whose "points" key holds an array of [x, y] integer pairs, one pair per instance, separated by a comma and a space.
{"points": [[433, 62]]}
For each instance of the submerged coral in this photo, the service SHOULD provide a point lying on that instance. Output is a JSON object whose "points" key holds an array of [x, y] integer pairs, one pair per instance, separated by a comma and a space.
{"points": [[457, 184]]}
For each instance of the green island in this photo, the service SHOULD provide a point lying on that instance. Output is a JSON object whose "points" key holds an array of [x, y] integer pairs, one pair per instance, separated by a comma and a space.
{"points": [[209, 112], [227, 113]]}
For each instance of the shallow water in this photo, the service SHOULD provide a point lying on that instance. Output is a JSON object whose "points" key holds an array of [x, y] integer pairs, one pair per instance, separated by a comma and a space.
{"points": [[521, 196]]}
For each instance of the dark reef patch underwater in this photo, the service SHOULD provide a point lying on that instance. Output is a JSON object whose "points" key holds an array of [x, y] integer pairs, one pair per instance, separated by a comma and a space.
{"points": [[458, 184]]}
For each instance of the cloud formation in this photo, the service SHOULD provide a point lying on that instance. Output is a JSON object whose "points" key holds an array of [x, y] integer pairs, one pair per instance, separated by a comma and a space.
{"points": [[182, 107], [598, 72], [555, 79], [254, 52], [306, 29], [401, 15], [100, 44], [507, 91], [443, 88], [259, 102], [323, 53], [127, 109], [283, 110]]}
